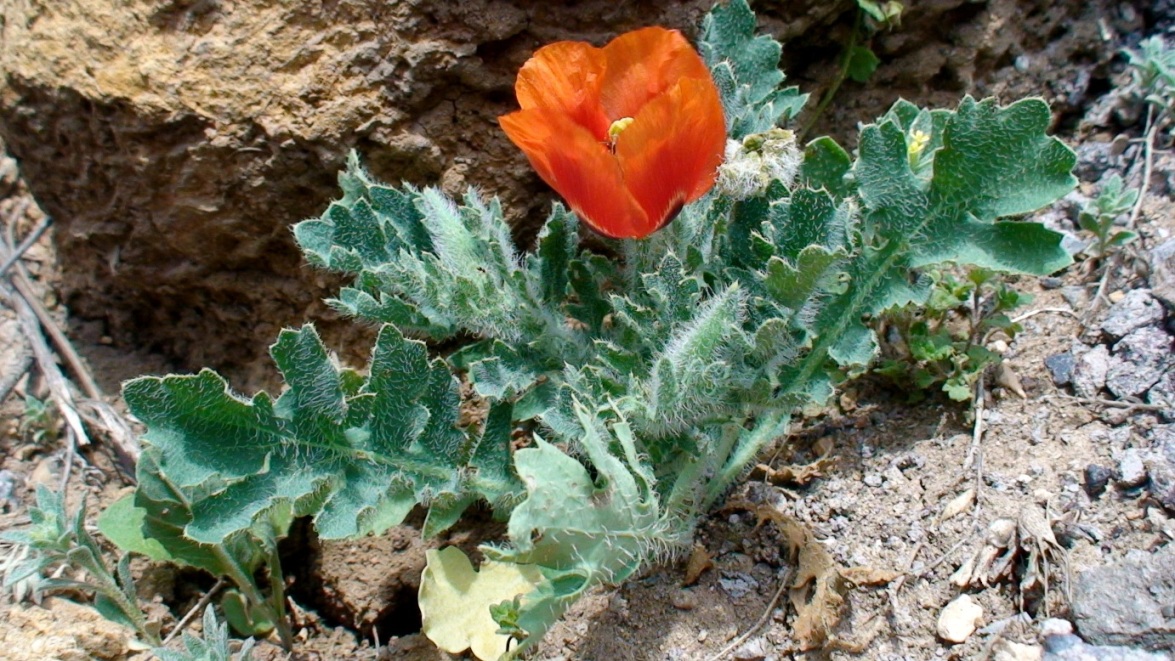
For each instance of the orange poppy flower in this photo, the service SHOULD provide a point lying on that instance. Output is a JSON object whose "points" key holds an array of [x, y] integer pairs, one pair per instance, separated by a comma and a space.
{"points": [[627, 134]]}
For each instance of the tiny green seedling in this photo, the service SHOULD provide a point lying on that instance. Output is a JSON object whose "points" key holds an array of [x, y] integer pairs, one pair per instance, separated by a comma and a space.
{"points": [[39, 421], [1153, 72], [1098, 216], [214, 645]]}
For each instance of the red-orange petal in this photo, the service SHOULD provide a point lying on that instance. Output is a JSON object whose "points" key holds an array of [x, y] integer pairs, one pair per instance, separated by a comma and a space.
{"points": [[644, 64], [566, 77], [570, 159], [671, 152], [571, 92]]}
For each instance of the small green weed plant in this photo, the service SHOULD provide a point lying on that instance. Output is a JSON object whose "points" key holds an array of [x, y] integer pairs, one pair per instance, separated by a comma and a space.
{"points": [[649, 375], [1098, 215], [39, 421], [1152, 70], [942, 342]]}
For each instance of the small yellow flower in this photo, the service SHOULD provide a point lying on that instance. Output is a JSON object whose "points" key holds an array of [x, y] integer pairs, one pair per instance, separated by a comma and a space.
{"points": [[917, 142]]}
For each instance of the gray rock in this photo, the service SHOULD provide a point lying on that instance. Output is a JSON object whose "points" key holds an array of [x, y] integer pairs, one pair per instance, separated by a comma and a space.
{"points": [[1060, 641], [1139, 360], [1089, 376], [737, 585], [1163, 394], [1096, 158], [1076, 296], [1131, 469], [1050, 282], [754, 649], [1160, 465], [1068, 647], [1137, 309], [1162, 277], [1122, 604], [1073, 244], [1061, 367]]}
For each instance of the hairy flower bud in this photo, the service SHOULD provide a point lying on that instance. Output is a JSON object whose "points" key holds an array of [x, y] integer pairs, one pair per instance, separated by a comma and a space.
{"points": [[752, 164]]}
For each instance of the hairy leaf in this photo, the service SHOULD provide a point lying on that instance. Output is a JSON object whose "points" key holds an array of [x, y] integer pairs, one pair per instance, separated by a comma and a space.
{"points": [[356, 461], [746, 71]]}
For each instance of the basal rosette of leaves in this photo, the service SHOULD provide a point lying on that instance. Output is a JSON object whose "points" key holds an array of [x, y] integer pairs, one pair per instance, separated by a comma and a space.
{"points": [[649, 379]]}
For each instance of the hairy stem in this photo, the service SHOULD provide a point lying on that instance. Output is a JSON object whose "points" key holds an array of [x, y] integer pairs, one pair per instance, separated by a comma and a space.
{"points": [[109, 588]]}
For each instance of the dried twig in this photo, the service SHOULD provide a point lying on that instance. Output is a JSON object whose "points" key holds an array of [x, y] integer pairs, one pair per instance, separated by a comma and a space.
{"points": [[58, 386], [974, 450], [33, 319], [119, 434], [951, 551], [784, 583], [196, 610], [1133, 406], [28, 240], [23, 285], [24, 361], [71, 448], [1033, 313]]}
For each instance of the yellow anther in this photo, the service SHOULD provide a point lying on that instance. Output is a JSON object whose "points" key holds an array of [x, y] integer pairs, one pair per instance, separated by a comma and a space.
{"points": [[917, 142], [618, 126]]}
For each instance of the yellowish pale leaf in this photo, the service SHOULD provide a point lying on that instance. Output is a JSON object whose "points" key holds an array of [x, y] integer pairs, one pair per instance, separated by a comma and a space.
{"points": [[455, 601]]}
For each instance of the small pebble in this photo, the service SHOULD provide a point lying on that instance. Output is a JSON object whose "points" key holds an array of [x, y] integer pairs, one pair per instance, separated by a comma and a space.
{"points": [[8, 485], [959, 619], [873, 480], [684, 600], [1131, 470], [1089, 374], [1076, 296], [1010, 650], [1051, 282], [1097, 477], [1061, 367]]}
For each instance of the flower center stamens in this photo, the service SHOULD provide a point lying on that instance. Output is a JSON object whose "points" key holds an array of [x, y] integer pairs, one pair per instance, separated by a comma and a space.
{"points": [[614, 131]]}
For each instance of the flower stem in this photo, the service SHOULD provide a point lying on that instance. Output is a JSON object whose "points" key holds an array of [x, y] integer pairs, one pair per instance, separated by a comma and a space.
{"points": [[841, 75]]}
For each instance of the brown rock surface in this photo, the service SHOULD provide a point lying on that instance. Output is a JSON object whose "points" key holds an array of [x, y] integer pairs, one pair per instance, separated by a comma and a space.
{"points": [[175, 141], [61, 629]]}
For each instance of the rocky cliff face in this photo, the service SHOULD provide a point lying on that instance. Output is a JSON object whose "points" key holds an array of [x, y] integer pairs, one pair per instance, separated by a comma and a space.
{"points": [[175, 141]]}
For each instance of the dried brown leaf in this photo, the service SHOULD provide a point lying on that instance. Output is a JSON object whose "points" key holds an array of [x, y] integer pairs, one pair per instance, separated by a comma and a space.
{"points": [[699, 561], [818, 588], [869, 575], [959, 504], [798, 474]]}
